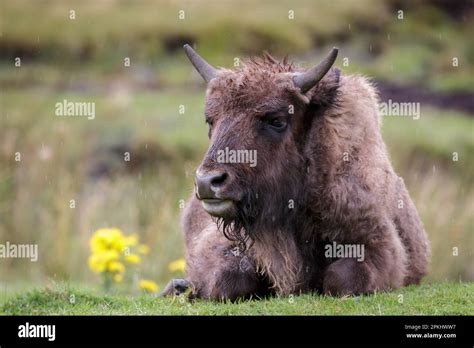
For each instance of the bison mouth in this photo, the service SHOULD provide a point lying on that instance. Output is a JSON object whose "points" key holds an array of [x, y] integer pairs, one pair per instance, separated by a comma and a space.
{"points": [[220, 208], [241, 217], [232, 216]]}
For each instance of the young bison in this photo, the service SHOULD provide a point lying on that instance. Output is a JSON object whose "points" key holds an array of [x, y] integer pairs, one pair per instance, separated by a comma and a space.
{"points": [[323, 179]]}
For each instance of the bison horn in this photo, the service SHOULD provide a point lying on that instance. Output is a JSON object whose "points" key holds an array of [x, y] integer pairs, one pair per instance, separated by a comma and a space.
{"points": [[203, 68], [307, 80]]}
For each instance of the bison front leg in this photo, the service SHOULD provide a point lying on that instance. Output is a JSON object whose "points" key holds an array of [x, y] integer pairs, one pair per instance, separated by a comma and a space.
{"points": [[176, 287], [382, 267], [216, 268]]}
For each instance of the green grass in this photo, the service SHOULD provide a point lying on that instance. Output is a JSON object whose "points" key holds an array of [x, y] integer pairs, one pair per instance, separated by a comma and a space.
{"points": [[432, 139], [427, 299], [418, 48]]}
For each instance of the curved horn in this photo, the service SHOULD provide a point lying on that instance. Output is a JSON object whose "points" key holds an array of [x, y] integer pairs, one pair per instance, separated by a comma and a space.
{"points": [[307, 80], [203, 68]]}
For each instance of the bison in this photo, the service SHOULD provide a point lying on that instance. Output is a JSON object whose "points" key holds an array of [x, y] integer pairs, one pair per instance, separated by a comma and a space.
{"points": [[323, 179]]}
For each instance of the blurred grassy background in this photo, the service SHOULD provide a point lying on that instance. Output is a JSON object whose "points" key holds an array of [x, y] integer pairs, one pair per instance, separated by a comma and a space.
{"points": [[137, 111]]}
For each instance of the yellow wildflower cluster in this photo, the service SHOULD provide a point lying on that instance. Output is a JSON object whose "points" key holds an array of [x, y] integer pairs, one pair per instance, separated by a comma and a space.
{"points": [[148, 286], [177, 266], [111, 250]]}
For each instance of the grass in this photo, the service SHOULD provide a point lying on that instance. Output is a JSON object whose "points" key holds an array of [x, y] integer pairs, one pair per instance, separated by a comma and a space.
{"points": [[141, 197], [427, 299], [437, 135], [418, 48]]}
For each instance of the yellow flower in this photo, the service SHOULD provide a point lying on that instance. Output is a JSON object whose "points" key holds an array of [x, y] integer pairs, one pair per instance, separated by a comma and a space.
{"points": [[107, 239], [143, 249], [99, 261], [110, 255], [115, 266], [148, 286], [133, 258], [131, 240], [96, 263], [177, 265], [117, 278]]}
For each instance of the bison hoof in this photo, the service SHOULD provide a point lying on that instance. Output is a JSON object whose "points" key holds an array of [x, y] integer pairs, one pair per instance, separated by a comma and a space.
{"points": [[176, 287], [348, 277]]}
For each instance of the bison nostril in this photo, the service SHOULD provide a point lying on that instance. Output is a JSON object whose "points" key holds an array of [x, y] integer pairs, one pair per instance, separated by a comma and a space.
{"points": [[208, 185], [218, 179]]}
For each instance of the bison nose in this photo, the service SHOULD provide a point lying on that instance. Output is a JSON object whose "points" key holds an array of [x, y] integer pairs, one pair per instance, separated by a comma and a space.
{"points": [[209, 184]]}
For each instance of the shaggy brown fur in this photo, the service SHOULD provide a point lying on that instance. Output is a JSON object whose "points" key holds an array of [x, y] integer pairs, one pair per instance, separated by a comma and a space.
{"points": [[326, 178]]}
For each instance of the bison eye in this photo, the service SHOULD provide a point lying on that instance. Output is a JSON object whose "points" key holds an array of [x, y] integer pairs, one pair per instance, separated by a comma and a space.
{"points": [[209, 129], [276, 123]]}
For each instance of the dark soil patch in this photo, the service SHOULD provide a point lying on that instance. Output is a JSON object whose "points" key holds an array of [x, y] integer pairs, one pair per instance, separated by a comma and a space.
{"points": [[461, 101]]}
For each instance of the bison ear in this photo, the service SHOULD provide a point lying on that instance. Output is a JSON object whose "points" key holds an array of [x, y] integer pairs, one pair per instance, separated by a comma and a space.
{"points": [[307, 80], [326, 91], [203, 68]]}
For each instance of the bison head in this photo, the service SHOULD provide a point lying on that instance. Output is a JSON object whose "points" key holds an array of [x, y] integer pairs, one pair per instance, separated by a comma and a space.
{"points": [[252, 176]]}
